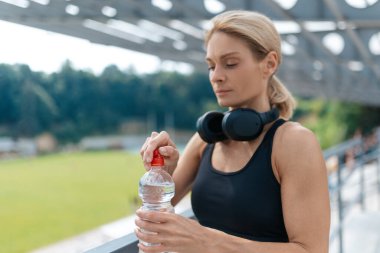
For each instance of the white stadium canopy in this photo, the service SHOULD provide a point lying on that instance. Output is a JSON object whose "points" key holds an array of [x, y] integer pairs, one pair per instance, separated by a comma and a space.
{"points": [[331, 47]]}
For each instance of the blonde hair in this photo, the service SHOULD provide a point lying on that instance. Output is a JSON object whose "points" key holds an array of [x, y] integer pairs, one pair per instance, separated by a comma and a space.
{"points": [[262, 37]]}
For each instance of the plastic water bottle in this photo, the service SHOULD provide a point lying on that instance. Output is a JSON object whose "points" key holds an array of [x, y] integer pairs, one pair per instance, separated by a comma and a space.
{"points": [[156, 188]]}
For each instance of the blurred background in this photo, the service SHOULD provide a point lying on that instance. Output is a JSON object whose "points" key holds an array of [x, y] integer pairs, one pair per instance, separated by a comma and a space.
{"points": [[83, 83]]}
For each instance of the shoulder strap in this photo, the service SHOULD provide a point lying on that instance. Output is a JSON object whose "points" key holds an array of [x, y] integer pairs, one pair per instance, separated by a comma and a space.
{"points": [[273, 128]]}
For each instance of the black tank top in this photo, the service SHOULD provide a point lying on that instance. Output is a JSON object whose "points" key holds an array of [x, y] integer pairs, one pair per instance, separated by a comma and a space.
{"points": [[245, 203]]}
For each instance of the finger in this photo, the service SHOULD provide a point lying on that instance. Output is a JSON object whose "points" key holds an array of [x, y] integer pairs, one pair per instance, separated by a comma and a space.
{"points": [[166, 135], [168, 151], [140, 223], [147, 225], [161, 139], [153, 216], [171, 156], [144, 224], [152, 249], [146, 143], [143, 147], [146, 166], [147, 236]]}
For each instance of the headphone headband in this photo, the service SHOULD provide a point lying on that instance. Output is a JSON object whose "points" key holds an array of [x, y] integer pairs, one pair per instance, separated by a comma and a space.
{"points": [[269, 116]]}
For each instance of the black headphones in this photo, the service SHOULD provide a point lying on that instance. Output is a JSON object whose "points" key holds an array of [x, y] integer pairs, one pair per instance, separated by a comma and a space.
{"points": [[241, 124]]}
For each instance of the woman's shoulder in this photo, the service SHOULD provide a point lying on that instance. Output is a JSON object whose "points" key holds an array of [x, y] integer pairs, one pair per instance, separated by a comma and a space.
{"points": [[296, 147], [293, 140], [294, 133]]}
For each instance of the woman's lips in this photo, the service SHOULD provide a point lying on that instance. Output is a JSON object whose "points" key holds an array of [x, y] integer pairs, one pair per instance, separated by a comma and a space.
{"points": [[221, 92]]}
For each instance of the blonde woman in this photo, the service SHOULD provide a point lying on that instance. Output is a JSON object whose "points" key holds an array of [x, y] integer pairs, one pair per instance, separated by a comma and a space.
{"points": [[265, 194]]}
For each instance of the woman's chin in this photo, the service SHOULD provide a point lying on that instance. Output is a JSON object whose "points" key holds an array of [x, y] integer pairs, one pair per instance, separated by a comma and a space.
{"points": [[224, 102], [229, 104]]}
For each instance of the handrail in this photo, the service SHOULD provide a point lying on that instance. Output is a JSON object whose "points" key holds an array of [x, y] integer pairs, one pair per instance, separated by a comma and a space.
{"points": [[362, 157], [361, 161], [341, 148], [127, 243]]}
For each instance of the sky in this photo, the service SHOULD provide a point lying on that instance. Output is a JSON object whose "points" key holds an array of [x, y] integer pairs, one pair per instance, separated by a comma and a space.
{"points": [[46, 51]]}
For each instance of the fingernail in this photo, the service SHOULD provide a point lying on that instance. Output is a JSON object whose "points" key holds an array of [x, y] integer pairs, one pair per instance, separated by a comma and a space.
{"points": [[163, 151]]}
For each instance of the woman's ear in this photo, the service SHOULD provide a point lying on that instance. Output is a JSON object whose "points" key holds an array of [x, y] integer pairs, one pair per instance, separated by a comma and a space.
{"points": [[270, 64]]}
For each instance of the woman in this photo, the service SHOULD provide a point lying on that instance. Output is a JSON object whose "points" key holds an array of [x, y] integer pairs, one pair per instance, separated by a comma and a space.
{"points": [[268, 194]]}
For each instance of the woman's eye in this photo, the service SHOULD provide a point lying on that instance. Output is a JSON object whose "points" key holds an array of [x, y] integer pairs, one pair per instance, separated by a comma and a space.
{"points": [[211, 68], [231, 65]]}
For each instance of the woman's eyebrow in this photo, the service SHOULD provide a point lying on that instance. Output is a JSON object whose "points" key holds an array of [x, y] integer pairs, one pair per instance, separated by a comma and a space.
{"points": [[223, 55]]}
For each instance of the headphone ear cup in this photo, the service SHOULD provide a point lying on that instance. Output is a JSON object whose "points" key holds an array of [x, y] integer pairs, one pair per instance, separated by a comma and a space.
{"points": [[209, 127], [242, 124]]}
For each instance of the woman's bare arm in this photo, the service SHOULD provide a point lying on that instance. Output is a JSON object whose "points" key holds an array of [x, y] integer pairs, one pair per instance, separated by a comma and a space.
{"points": [[304, 187]]}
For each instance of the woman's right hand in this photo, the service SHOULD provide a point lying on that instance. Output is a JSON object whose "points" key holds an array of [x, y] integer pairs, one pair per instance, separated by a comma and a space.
{"points": [[165, 146]]}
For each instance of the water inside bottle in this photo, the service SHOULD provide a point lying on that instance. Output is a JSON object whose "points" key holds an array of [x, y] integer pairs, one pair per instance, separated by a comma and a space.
{"points": [[156, 193]]}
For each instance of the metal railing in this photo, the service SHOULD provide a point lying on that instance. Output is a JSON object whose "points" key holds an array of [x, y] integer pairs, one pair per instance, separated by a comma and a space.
{"points": [[345, 171], [128, 243]]}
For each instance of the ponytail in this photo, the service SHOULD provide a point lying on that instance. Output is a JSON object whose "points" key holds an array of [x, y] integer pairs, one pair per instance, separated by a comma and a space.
{"points": [[280, 97]]}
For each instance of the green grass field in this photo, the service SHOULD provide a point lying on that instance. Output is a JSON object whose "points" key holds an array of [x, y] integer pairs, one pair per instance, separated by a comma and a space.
{"points": [[50, 198]]}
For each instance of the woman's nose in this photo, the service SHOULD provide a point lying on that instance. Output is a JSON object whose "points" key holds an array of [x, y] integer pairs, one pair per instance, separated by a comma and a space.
{"points": [[217, 75]]}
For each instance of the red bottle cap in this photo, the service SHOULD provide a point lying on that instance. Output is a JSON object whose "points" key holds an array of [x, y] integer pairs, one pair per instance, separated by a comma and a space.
{"points": [[158, 159]]}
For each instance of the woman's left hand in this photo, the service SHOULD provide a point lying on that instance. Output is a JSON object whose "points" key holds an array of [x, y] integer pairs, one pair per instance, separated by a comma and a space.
{"points": [[171, 233]]}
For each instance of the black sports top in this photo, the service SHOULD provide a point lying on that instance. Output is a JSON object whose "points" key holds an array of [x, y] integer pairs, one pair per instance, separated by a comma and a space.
{"points": [[245, 203]]}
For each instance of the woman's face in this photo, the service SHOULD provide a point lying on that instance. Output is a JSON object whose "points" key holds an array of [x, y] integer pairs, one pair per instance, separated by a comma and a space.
{"points": [[237, 78]]}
